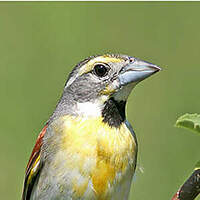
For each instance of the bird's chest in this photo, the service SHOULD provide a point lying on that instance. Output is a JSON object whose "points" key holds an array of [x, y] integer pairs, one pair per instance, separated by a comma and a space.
{"points": [[94, 161]]}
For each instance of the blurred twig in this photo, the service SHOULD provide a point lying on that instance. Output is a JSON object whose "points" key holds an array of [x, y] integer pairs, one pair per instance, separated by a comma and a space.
{"points": [[190, 189]]}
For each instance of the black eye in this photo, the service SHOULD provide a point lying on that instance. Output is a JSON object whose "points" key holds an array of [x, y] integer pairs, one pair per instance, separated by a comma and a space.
{"points": [[100, 70]]}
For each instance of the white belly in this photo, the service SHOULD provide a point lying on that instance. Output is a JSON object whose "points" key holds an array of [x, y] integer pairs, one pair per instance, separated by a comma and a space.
{"points": [[48, 189]]}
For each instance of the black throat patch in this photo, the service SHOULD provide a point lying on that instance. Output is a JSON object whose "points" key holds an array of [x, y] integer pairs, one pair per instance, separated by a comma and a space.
{"points": [[114, 112]]}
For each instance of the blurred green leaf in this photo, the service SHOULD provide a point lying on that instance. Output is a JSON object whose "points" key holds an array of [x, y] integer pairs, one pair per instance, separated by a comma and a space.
{"points": [[189, 121], [197, 166]]}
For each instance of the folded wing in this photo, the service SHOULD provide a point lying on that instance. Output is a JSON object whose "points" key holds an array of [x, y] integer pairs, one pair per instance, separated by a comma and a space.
{"points": [[34, 166]]}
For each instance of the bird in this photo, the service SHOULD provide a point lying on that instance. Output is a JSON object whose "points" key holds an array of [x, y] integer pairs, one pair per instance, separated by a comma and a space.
{"points": [[87, 149]]}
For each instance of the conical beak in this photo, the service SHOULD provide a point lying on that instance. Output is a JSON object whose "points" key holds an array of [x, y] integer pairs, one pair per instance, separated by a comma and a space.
{"points": [[136, 72]]}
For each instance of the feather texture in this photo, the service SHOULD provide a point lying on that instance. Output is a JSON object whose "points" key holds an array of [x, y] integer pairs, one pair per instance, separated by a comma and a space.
{"points": [[33, 167]]}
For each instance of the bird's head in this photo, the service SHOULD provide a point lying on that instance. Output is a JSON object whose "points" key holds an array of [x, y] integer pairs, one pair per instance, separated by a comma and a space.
{"points": [[99, 81]]}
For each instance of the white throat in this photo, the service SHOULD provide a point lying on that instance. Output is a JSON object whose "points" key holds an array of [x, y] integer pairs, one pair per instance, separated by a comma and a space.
{"points": [[91, 109]]}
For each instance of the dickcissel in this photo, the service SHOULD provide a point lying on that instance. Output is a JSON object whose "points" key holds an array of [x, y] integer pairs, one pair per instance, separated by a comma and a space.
{"points": [[87, 150]]}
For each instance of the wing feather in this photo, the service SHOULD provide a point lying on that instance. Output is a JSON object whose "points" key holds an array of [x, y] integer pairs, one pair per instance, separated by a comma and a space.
{"points": [[33, 167]]}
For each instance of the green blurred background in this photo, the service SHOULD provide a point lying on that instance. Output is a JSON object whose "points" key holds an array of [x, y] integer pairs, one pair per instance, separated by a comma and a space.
{"points": [[41, 42]]}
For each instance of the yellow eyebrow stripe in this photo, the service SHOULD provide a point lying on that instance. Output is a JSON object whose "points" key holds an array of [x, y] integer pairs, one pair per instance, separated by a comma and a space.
{"points": [[104, 59], [101, 59]]}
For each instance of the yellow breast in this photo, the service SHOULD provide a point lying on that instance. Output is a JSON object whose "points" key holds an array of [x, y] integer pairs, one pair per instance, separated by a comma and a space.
{"points": [[99, 153]]}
